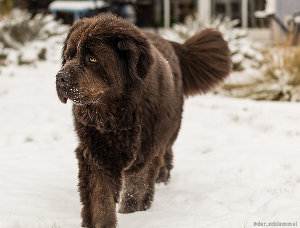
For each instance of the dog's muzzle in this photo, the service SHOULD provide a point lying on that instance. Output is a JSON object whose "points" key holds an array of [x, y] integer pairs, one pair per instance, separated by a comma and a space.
{"points": [[62, 85]]}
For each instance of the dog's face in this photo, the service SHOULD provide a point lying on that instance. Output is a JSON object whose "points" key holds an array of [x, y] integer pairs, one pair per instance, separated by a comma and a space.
{"points": [[102, 57]]}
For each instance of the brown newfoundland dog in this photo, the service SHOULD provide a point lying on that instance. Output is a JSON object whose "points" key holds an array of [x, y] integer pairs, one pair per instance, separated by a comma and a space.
{"points": [[128, 88]]}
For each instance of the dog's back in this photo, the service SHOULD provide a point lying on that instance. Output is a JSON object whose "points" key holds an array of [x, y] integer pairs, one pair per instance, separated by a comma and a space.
{"points": [[202, 61], [196, 66], [178, 70]]}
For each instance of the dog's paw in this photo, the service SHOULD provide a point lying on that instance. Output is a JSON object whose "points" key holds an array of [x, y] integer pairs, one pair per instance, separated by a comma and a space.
{"points": [[107, 225], [147, 201], [163, 176], [128, 205]]}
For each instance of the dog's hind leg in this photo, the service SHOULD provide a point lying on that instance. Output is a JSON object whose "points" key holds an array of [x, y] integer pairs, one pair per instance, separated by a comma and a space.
{"points": [[165, 169], [138, 188]]}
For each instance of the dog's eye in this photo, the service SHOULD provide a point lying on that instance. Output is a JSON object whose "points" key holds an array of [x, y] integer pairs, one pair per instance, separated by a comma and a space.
{"points": [[92, 59]]}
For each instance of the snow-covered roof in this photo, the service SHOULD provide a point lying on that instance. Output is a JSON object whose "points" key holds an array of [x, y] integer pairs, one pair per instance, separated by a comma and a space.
{"points": [[271, 6], [71, 6], [297, 19], [270, 9]]}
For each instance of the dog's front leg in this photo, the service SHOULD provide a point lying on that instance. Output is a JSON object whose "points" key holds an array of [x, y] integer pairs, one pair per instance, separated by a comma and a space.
{"points": [[103, 200], [99, 192]]}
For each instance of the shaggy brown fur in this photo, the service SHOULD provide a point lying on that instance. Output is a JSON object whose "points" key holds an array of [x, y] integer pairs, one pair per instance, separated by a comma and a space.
{"points": [[128, 88]]}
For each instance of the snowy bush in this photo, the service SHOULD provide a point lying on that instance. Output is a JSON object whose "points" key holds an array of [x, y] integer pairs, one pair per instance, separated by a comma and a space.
{"points": [[23, 37], [282, 67], [245, 53], [258, 73], [277, 80]]}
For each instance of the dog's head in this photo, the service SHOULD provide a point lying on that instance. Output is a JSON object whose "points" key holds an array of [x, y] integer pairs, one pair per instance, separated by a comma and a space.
{"points": [[104, 56]]}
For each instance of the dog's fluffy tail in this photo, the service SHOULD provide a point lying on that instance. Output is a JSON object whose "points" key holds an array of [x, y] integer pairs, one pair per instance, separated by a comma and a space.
{"points": [[204, 61]]}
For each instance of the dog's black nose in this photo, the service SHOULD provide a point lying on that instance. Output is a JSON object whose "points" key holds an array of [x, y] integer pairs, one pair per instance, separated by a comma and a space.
{"points": [[62, 78]]}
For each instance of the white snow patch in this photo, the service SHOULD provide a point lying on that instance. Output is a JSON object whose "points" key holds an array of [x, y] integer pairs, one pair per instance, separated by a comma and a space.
{"points": [[76, 5]]}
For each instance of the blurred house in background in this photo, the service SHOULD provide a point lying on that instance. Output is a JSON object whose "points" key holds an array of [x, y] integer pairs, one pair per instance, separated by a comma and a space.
{"points": [[267, 20], [285, 19], [153, 12], [34, 6], [242, 10], [71, 11], [145, 13]]}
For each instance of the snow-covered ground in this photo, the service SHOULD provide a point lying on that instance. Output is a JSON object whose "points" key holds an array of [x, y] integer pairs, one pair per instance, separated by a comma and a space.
{"points": [[236, 161]]}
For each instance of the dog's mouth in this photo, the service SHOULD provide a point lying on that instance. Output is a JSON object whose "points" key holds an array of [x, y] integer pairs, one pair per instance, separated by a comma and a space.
{"points": [[73, 94], [62, 94], [76, 95]]}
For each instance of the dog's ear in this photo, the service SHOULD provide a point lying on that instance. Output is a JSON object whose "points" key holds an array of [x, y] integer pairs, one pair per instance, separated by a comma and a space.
{"points": [[137, 56]]}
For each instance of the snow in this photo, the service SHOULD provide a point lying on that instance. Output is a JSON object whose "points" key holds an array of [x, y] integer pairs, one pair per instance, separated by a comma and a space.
{"points": [[297, 20], [25, 40], [270, 9], [76, 5], [236, 161]]}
